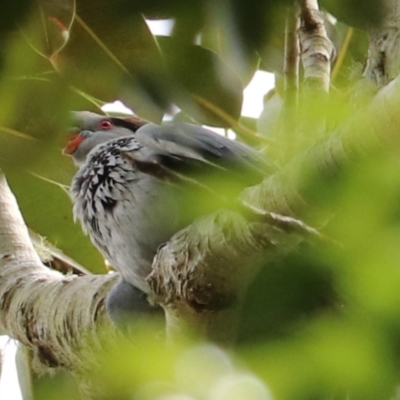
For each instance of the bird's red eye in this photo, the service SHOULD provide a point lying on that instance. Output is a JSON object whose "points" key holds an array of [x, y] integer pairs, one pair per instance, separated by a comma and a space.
{"points": [[106, 125]]}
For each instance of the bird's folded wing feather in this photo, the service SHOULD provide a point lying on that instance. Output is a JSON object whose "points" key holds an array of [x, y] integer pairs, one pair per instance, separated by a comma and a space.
{"points": [[159, 170], [180, 145]]}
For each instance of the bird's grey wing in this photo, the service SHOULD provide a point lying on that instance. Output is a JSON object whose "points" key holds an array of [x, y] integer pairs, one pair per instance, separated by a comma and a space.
{"points": [[188, 147], [154, 166]]}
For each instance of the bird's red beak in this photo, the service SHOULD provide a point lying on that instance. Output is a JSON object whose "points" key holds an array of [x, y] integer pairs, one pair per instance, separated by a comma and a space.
{"points": [[73, 145]]}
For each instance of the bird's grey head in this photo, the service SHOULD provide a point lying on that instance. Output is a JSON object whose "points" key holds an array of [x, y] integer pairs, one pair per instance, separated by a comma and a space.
{"points": [[91, 129]]}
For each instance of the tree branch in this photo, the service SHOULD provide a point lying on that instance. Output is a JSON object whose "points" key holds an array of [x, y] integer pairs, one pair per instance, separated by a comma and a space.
{"points": [[317, 51], [383, 52], [207, 266], [56, 316], [199, 273], [202, 272], [316, 48], [373, 128], [289, 114]]}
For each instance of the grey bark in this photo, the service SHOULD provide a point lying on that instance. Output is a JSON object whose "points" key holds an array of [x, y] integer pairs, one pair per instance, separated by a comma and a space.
{"points": [[196, 275], [200, 275], [207, 264], [317, 50], [56, 316], [383, 53]]}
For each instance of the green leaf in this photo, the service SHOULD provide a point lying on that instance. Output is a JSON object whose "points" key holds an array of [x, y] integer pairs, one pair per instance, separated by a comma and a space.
{"points": [[33, 123], [47, 209], [50, 24], [214, 37], [203, 85], [14, 13], [109, 54], [357, 13]]}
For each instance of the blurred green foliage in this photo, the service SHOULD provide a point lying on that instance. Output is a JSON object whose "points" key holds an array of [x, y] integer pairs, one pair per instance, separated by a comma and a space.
{"points": [[321, 322]]}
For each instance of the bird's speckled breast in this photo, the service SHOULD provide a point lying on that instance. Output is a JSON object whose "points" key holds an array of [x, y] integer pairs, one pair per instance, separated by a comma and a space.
{"points": [[126, 213], [100, 182]]}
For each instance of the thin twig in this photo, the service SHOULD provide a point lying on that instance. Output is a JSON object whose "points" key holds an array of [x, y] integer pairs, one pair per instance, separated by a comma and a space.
{"points": [[291, 83], [342, 53], [317, 50]]}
